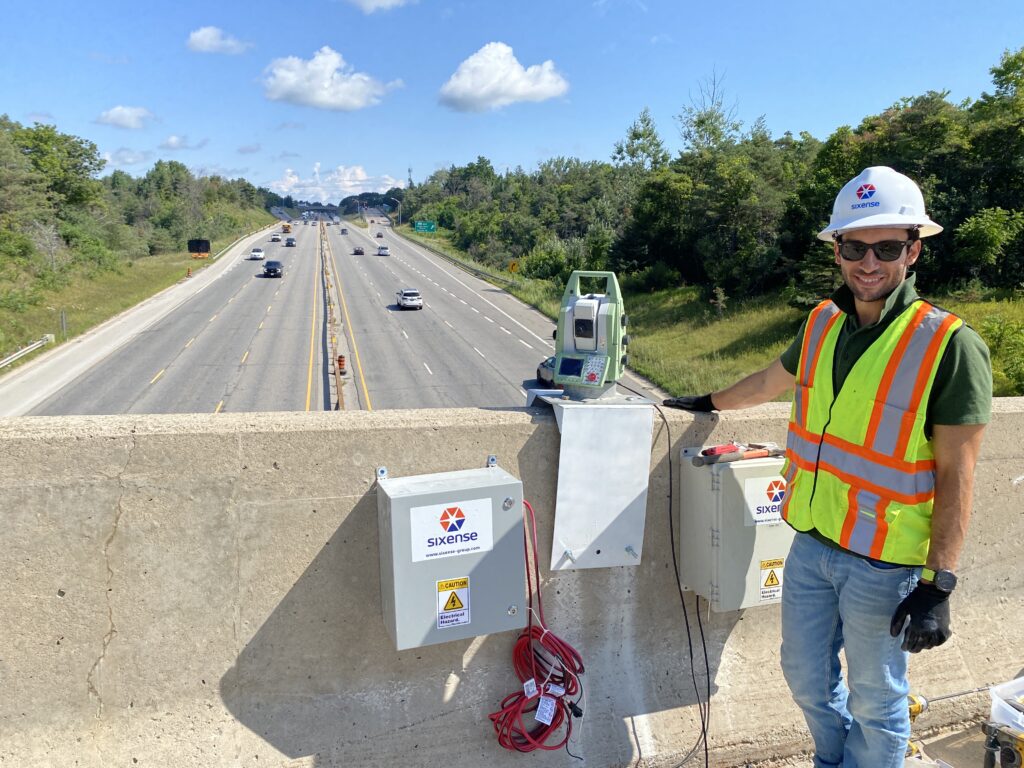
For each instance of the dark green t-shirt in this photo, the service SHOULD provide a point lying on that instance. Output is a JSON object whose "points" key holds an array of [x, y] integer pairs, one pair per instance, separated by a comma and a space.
{"points": [[962, 392]]}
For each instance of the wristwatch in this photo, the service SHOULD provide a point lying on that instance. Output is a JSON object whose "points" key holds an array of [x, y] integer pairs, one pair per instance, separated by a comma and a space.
{"points": [[943, 579]]}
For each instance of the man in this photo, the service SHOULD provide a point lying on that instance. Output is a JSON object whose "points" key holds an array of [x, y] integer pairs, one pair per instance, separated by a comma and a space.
{"points": [[891, 397]]}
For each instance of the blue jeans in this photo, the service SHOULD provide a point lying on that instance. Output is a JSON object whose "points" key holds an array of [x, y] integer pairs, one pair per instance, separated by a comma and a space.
{"points": [[833, 600]]}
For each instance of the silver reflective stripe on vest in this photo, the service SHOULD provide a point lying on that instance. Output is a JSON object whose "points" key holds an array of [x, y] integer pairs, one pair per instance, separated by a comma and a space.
{"points": [[905, 484], [816, 333], [898, 482], [901, 392], [863, 534]]}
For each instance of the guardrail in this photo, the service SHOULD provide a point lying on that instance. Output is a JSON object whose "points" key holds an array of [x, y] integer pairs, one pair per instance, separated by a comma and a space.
{"points": [[47, 339], [454, 261]]}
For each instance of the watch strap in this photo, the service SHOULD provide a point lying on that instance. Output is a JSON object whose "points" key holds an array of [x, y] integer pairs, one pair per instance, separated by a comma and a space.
{"points": [[928, 573]]}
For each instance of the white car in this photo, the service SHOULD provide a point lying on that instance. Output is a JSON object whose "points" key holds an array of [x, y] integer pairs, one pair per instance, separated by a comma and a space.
{"points": [[256, 253], [409, 298], [276, 237], [383, 250]]}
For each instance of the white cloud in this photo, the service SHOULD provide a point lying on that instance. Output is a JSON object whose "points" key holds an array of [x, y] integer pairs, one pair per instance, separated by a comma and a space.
{"points": [[218, 170], [336, 184], [124, 157], [132, 118], [175, 142], [249, 149], [369, 6], [324, 82], [493, 78], [213, 40], [286, 155]]}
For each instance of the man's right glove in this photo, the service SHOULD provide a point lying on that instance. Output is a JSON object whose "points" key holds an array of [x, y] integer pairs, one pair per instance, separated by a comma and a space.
{"points": [[701, 404], [927, 606]]}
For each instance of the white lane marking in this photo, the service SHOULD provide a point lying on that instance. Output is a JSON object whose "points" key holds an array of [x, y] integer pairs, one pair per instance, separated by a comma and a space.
{"points": [[428, 369], [464, 302], [479, 352], [405, 334], [449, 324], [506, 330], [488, 319], [524, 343], [475, 310], [543, 341]]}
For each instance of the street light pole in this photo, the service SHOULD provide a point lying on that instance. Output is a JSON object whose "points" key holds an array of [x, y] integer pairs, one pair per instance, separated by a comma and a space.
{"points": [[399, 209]]}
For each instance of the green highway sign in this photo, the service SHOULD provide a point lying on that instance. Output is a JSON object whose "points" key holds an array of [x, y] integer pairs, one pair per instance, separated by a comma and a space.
{"points": [[425, 226]]}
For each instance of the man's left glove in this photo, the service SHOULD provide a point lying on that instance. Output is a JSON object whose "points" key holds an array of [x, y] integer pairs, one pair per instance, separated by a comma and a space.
{"points": [[927, 606]]}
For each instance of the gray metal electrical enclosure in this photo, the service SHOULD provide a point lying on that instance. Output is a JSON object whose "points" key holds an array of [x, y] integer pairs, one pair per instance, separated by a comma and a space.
{"points": [[451, 555], [733, 542]]}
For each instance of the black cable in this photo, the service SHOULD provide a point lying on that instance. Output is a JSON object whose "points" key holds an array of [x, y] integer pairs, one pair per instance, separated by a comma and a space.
{"points": [[703, 708]]}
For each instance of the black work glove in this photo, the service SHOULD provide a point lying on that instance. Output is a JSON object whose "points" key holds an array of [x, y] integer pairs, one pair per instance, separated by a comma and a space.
{"points": [[928, 609], [701, 403]]}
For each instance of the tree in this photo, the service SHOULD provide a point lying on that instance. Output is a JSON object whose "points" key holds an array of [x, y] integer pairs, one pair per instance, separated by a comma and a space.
{"points": [[642, 149], [68, 163], [22, 187]]}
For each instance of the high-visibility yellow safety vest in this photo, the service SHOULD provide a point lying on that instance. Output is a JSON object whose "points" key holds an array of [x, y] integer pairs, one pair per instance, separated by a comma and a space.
{"points": [[859, 467]]}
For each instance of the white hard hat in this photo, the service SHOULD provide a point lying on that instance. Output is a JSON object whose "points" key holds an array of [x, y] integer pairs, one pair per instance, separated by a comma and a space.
{"points": [[879, 197]]}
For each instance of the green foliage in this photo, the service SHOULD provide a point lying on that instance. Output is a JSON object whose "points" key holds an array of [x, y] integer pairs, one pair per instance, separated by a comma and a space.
{"points": [[1005, 339], [60, 225], [983, 239]]}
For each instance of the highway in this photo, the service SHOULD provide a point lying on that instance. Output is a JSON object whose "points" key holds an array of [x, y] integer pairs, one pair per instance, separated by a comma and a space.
{"points": [[471, 345], [240, 342], [244, 343]]}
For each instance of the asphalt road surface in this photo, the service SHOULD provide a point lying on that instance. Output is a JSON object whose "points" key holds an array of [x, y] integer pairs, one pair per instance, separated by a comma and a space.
{"points": [[236, 341]]}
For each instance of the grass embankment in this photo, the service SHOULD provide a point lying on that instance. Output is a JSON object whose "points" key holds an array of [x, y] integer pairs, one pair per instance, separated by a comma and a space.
{"points": [[90, 299], [681, 343]]}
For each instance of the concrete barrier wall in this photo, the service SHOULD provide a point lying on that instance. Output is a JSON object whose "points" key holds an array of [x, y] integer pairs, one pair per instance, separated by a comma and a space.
{"points": [[204, 591]]}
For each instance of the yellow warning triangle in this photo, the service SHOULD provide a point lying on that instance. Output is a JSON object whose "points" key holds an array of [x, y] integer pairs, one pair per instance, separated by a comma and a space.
{"points": [[771, 581], [454, 604]]}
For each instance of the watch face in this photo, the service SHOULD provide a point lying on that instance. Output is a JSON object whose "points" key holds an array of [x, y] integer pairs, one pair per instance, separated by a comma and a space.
{"points": [[945, 580]]}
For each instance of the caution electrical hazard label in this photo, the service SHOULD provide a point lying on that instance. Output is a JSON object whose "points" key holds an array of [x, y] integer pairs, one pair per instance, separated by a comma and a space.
{"points": [[771, 580], [452, 602]]}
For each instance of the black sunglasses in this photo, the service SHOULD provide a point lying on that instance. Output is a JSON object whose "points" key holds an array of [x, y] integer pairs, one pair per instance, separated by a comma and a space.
{"points": [[886, 250]]}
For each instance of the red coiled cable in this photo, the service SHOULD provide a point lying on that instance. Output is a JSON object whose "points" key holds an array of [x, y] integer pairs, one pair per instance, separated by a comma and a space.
{"points": [[549, 662]]}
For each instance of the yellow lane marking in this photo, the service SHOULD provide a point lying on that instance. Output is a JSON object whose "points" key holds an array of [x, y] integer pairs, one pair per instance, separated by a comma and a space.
{"points": [[268, 308], [246, 355], [312, 342], [190, 342], [213, 318], [219, 406], [153, 380], [351, 332], [261, 326]]}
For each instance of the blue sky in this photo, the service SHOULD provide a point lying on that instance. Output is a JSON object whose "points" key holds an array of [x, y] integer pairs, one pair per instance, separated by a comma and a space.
{"points": [[327, 98]]}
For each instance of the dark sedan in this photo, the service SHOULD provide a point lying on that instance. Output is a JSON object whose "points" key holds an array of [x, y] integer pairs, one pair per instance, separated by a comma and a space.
{"points": [[273, 269]]}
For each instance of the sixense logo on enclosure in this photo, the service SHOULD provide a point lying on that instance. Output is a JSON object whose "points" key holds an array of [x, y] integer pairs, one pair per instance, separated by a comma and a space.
{"points": [[450, 529]]}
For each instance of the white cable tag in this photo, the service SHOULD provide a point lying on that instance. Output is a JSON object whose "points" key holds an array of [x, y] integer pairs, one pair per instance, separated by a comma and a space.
{"points": [[556, 690], [545, 710], [530, 688]]}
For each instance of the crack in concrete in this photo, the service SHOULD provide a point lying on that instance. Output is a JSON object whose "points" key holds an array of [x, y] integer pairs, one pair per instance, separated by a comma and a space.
{"points": [[111, 632]]}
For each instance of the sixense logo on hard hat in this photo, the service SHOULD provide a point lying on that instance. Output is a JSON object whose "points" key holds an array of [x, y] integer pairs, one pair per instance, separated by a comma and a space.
{"points": [[864, 193], [449, 529]]}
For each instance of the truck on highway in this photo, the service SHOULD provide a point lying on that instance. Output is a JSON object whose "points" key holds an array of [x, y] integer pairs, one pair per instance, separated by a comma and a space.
{"points": [[286, 228]]}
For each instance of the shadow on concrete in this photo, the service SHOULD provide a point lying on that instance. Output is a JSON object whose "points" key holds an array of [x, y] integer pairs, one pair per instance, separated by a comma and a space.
{"points": [[321, 680]]}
